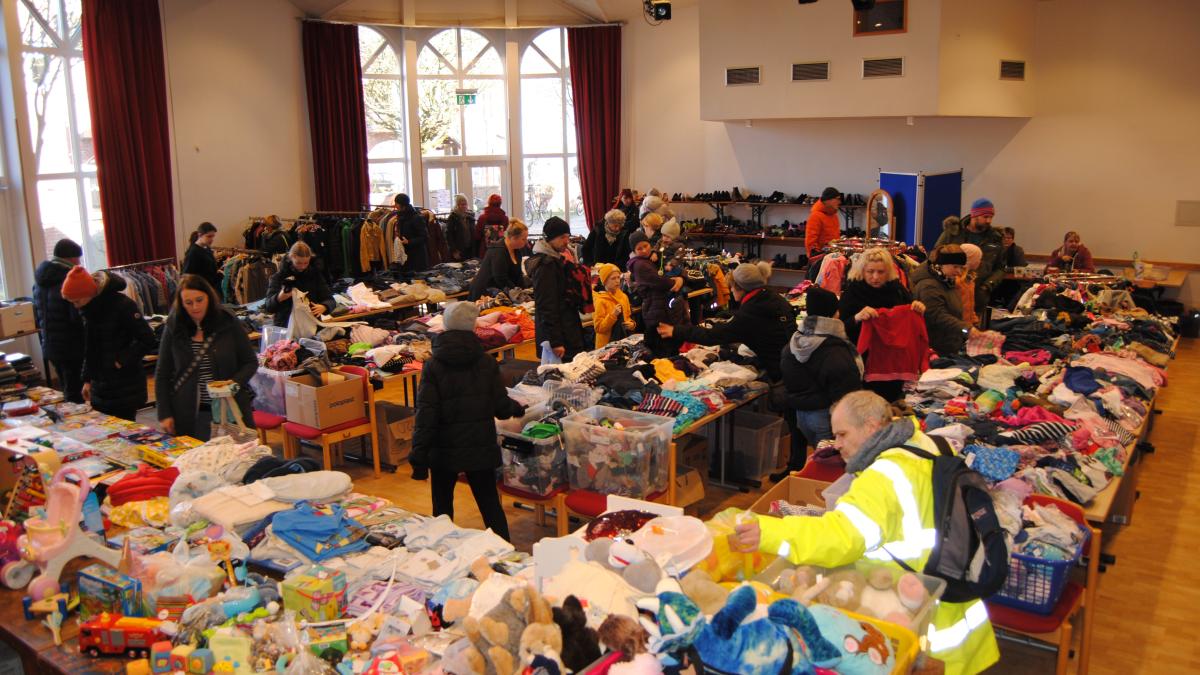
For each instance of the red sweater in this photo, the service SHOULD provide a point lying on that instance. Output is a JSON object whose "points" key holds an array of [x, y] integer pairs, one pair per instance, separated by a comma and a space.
{"points": [[896, 344]]}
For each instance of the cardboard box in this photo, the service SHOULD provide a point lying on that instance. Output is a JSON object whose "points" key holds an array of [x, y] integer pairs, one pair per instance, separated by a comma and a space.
{"points": [[316, 595], [395, 425], [104, 589], [689, 486], [313, 405], [692, 450], [16, 318], [792, 490]]}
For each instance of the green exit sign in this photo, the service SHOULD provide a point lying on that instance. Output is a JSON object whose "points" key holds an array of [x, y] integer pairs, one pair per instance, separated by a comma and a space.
{"points": [[465, 96]]}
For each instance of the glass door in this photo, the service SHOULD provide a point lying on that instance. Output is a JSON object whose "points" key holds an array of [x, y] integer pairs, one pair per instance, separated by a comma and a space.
{"points": [[478, 180], [441, 184], [487, 180]]}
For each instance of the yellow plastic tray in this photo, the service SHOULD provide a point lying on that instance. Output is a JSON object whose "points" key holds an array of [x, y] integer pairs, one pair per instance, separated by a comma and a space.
{"points": [[904, 640]]}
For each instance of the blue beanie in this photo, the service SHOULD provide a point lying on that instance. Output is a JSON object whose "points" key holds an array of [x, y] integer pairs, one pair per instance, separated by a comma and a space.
{"points": [[983, 206]]}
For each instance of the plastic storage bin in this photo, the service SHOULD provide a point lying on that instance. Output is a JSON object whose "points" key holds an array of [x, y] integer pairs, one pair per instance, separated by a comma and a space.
{"points": [[268, 387], [534, 465], [1034, 584], [575, 396], [630, 461], [755, 443]]}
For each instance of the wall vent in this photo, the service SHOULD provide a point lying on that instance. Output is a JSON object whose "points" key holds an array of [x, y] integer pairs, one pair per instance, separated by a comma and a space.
{"points": [[804, 72], [1012, 70], [734, 76], [883, 67]]}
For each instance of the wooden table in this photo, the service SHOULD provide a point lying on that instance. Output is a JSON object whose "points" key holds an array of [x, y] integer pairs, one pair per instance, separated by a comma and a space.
{"points": [[1175, 278]]}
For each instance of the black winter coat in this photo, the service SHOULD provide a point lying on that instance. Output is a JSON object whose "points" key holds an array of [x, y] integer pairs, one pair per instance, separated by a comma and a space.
{"points": [[311, 281], [115, 332], [763, 322], [232, 358], [60, 323], [554, 319], [276, 242], [943, 310], [859, 294], [632, 222], [597, 249], [655, 292], [200, 261], [497, 270], [830, 372], [460, 235], [460, 398], [413, 227]]}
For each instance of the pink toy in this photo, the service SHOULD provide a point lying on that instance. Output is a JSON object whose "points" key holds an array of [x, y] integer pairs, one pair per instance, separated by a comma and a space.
{"points": [[53, 541], [15, 572]]}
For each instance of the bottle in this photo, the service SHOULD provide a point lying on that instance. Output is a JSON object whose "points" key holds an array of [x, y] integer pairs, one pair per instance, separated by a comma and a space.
{"points": [[1138, 267]]}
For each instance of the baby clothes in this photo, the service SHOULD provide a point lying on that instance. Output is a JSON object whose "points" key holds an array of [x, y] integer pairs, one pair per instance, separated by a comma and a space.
{"points": [[996, 464], [985, 342], [1041, 432]]}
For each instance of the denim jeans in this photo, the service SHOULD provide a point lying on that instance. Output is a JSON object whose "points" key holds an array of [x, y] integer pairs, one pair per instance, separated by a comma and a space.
{"points": [[814, 424]]}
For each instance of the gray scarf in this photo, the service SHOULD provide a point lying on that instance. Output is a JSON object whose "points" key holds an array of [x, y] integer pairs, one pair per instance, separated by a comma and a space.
{"points": [[813, 333], [543, 246], [893, 435]]}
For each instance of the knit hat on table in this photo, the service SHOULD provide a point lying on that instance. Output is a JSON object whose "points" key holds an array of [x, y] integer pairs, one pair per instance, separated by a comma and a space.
{"points": [[460, 316], [606, 270], [671, 229], [749, 276], [79, 285], [555, 227], [820, 302], [982, 207], [830, 193], [65, 248]]}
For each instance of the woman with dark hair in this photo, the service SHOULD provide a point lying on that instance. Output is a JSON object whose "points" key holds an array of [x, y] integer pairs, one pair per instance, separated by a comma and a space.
{"points": [[199, 259], [935, 285], [201, 343]]}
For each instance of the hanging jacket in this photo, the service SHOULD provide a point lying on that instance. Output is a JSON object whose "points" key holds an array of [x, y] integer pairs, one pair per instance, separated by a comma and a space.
{"points": [[554, 319], [311, 281], [232, 358], [435, 243], [60, 323], [371, 248], [276, 242], [822, 227], [199, 260], [896, 344], [858, 294], [888, 511], [460, 397], [116, 337], [819, 366], [943, 310], [763, 321], [604, 318], [720, 285]]}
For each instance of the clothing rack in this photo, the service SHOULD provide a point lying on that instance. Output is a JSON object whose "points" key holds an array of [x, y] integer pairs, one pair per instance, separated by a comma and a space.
{"points": [[860, 244], [233, 249], [148, 263]]}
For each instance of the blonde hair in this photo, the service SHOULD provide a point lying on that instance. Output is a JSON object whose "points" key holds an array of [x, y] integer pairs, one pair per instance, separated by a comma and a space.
{"points": [[652, 220], [300, 250], [874, 255], [516, 228]]}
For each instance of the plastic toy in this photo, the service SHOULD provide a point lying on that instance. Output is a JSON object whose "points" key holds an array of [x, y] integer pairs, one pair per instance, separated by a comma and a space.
{"points": [[179, 658], [53, 541], [231, 650], [113, 634], [200, 661], [160, 657], [15, 572]]}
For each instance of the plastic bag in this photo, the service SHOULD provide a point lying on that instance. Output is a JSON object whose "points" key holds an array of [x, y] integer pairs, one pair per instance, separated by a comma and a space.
{"points": [[302, 323], [178, 574], [726, 563], [548, 356]]}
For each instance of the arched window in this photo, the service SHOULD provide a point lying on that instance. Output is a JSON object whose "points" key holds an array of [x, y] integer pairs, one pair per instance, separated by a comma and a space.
{"points": [[383, 99], [548, 133], [461, 59]]}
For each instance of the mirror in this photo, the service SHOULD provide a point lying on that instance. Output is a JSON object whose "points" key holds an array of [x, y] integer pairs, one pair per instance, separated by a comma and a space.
{"points": [[880, 218]]}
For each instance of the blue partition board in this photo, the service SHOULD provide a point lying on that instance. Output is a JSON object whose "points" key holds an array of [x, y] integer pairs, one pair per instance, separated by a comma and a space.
{"points": [[903, 188], [943, 198]]}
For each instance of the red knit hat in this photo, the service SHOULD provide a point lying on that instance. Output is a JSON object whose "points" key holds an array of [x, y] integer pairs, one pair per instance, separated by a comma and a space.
{"points": [[79, 285], [495, 200]]}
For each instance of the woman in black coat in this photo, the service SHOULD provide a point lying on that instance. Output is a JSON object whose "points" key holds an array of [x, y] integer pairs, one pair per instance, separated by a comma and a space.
{"points": [[414, 230], [201, 343], [199, 259], [297, 273], [501, 265], [608, 243], [460, 398], [61, 325], [115, 337]]}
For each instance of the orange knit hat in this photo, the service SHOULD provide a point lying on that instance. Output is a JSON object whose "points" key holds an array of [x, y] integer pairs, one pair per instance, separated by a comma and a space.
{"points": [[79, 284]]}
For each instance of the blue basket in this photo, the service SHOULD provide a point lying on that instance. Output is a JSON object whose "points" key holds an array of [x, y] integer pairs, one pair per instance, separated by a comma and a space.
{"points": [[1035, 585]]}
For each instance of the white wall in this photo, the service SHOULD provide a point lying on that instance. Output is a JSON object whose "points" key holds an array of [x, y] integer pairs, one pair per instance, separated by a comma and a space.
{"points": [[1111, 147], [239, 110]]}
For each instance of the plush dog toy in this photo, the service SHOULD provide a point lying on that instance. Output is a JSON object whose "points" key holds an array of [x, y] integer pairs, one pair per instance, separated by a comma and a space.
{"points": [[788, 635]]}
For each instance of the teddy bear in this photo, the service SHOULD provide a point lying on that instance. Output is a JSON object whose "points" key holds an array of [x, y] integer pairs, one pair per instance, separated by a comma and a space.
{"points": [[580, 643], [844, 590], [496, 636], [361, 633], [542, 644], [891, 599], [623, 634]]}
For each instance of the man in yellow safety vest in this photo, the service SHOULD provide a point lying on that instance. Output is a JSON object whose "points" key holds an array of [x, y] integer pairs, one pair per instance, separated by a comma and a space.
{"points": [[888, 511]]}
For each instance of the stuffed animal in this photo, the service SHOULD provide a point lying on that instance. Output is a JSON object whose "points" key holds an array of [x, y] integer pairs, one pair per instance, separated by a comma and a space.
{"points": [[621, 556], [542, 643], [895, 602], [704, 590], [580, 644], [803, 584], [863, 648], [623, 634], [845, 590], [673, 623], [361, 633], [496, 637], [787, 635]]}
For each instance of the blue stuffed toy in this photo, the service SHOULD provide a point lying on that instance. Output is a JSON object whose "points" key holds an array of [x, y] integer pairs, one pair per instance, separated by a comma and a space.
{"points": [[786, 640], [865, 650], [673, 622]]}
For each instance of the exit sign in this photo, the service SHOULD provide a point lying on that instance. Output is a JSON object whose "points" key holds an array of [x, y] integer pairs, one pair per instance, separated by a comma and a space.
{"points": [[465, 96]]}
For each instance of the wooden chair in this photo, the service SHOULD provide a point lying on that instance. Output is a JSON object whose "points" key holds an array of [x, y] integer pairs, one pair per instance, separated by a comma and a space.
{"points": [[589, 504], [538, 502], [264, 422], [1056, 627], [295, 433]]}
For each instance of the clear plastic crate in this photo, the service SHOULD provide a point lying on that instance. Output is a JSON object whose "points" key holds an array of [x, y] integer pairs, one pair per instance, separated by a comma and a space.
{"points": [[755, 443], [575, 396], [534, 465], [630, 461]]}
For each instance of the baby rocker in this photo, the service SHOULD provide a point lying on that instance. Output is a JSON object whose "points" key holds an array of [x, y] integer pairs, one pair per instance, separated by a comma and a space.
{"points": [[53, 541]]}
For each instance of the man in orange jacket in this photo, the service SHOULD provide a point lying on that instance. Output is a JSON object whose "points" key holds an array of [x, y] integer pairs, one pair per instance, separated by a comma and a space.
{"points": [[823, 224]]}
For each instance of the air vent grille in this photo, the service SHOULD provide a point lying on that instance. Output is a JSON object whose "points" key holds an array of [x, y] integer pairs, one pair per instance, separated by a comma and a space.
{"points": [[1012, 70], [735, 76], [883, 67], [802, 72]]}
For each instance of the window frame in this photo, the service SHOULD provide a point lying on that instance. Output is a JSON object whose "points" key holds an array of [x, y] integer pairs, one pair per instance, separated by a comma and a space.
{"points": [[856, 14], [398, 77]]}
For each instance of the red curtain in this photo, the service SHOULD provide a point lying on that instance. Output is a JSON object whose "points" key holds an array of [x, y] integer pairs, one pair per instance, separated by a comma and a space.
{"points": [[595, 55], [127, 93], [333, 76]]}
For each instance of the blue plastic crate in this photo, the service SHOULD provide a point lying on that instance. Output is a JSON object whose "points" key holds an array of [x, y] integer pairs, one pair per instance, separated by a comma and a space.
{"points": [[1035, 585]]}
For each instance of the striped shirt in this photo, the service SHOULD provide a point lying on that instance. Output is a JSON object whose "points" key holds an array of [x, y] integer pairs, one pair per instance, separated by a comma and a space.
{"points": [[203, 371]]}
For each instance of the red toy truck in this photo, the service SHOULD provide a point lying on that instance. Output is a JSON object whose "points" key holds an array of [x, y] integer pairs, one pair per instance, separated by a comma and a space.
{"points": [[111, 634]]}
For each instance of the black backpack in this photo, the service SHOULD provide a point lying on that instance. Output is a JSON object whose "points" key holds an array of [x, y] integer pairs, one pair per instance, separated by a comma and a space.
{"points": [[967, 526]]}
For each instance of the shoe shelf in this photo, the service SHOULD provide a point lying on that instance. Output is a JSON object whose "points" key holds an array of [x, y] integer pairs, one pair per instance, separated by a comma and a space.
{"points": [[758, 209]]}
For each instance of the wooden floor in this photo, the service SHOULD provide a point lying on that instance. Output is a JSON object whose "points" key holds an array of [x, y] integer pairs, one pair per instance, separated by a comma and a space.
{"points": [[1145, 599]]}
